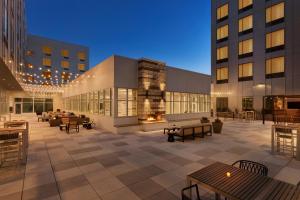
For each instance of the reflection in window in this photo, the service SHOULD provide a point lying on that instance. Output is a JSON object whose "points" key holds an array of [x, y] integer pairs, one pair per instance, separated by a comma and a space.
{"points": [[180, 103]]}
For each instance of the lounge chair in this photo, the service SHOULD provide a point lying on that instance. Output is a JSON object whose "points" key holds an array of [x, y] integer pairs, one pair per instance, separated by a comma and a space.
{"points": [[73, 124]]}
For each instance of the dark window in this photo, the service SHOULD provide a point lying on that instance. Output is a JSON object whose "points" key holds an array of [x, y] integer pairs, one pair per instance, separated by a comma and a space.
{"points": [[276, 48], [246, 32], [247, 103], [246, 8], [222, 104], [275, 75]]}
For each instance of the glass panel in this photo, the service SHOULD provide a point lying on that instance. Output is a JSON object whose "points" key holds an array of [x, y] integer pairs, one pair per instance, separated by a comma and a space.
{"points": [[27, 107]]}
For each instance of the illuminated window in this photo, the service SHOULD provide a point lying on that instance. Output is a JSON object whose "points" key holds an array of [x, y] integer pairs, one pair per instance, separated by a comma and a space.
{"points": [[222, 53], [65, 76], [275, 40], [275, 13], [30, 66], [81, 56], [222, 75], [127, 102], [81, 67], [47, 50], [243, 4], [65, 53], [222, 12], [222, 32], [65, 64], [29, 53], [47, 62], [246, 24], [247, 103], [246, 47], [46, 74], [275, 67], [246, 72]]}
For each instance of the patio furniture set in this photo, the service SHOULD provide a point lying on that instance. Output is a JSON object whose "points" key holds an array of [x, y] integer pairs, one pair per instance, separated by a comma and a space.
{"points": [[242, 180], [14, 142]]}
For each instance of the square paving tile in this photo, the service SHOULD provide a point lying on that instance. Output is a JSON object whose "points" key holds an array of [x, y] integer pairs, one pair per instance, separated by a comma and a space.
{"points": [[146, 188]]}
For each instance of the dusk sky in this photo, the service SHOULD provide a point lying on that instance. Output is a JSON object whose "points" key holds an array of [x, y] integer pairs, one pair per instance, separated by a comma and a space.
{"points": [[173, 31]]}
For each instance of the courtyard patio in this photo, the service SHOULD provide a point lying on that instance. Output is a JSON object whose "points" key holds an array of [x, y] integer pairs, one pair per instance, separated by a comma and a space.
{"points": [[96, 164]]}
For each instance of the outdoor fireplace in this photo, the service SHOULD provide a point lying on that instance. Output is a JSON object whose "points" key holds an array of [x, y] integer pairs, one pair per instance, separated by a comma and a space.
{"points": [[154, 117]]}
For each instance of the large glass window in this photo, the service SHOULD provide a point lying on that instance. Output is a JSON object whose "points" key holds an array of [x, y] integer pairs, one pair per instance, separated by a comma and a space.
{"points": [[180, 103], [222, 12], [275, 12], [222, 53], [65, 53], [222, 32], [245, 3], [222, 104], [247, 103], [246, 23], [274, 66], [81, 67], [127, 102], [107, 102], [47, 50], [47, 62], [81, 56], [65, 64], [246, 47], [83, 104], [275, 39], [245, 70], [222, 74]]}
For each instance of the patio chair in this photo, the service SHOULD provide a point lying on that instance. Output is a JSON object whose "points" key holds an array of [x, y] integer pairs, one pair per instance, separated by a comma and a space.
{"points": [[64, 123], [252, 167], [73, 124], [285, 141], [189, 190]]}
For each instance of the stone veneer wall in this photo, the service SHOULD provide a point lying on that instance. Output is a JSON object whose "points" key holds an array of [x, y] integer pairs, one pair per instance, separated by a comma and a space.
{"points": [[151, 91]]}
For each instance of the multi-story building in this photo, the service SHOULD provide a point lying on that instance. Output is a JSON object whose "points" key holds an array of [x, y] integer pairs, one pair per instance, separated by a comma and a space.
{"points": [[255, 54], [123, 94], [51, 62], [12, 44]]}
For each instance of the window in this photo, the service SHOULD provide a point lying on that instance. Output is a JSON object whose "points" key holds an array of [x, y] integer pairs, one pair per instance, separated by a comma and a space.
{"points": [[222, 33], [65, 53], [246, 24], [222, 104], [65, 76], [107, 102], [47, 50], [222, 54], [81, 56], [29, 53], [245, 4], [182, 103], [30, 66], [47, 62], [275, 14], [275, 67], [247, 103], [275, 41], [246, 48], [65, 64], [222, 75], [81, 67], [46, 74], [222, 12], [246, 72], [127, 102]]}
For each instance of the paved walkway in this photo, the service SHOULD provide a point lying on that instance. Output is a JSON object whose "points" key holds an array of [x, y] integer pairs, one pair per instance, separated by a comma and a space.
{"points": [[96, 164]]}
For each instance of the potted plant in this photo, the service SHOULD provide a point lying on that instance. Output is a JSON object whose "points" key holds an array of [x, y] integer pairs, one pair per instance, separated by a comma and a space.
{"points": [[204, 120], [217, 125]]}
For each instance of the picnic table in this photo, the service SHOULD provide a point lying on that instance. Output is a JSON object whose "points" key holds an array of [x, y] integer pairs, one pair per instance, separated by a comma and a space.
{"points": [[239, 184]]}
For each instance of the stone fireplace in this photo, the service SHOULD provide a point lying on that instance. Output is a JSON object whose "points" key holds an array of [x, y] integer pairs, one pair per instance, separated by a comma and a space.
{"points": [[151, 92]]}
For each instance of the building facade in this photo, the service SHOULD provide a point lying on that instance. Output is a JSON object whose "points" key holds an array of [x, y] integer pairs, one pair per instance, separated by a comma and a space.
{"points": [[122, 94], [255, 54], [12, 45], [51, 62]]}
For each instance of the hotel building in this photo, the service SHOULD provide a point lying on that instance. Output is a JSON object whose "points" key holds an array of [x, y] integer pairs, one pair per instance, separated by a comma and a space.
{"points": [[51, 62], [123, 94], [255, 55], [12, 47]]}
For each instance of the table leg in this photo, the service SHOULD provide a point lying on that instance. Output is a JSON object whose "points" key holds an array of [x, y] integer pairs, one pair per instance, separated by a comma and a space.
{"points": [[189, 183]]}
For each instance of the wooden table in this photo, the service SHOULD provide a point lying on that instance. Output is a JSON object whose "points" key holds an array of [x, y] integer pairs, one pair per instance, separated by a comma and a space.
{"points": [[294, 128], [15, 124], [24, 135], [242, 184]]}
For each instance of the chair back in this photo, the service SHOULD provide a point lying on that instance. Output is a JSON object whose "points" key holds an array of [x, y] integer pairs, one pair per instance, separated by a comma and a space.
{"points": [[252, 166], [194, 194], [64, 120], [73, 121]]}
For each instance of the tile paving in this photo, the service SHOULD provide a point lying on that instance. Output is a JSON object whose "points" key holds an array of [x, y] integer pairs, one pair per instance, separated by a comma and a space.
{"points": [[96, 164]]}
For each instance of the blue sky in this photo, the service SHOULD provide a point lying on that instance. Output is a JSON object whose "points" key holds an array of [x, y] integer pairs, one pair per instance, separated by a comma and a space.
{"points": [[174, 31]]}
